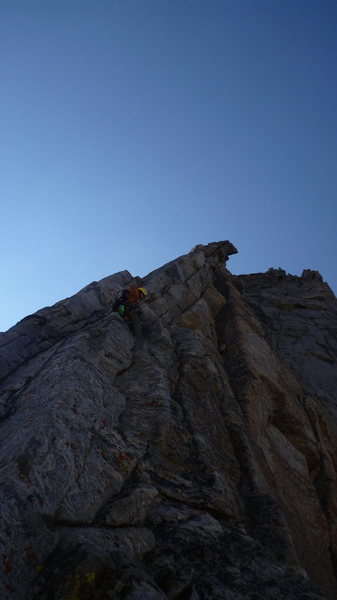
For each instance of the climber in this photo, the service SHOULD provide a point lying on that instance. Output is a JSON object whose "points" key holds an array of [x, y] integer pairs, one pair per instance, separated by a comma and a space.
{"points": [[132, 312], [128, 306]]}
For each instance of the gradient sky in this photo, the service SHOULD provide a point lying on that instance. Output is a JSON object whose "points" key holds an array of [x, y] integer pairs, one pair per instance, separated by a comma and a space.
{"points": [[132, 130]]}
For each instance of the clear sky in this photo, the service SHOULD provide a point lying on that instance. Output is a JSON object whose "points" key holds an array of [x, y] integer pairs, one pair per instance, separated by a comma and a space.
{"points": [[132, 130]]}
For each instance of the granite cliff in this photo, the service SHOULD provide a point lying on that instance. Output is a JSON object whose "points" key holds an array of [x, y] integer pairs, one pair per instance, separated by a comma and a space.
{"points": [[196, 463]]}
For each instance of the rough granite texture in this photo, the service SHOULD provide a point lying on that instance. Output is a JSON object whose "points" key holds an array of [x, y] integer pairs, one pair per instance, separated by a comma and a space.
{"points": [[196, 463]]}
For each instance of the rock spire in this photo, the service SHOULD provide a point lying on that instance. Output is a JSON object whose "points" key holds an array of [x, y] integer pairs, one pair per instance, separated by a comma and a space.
{"points": [[196, 463]]}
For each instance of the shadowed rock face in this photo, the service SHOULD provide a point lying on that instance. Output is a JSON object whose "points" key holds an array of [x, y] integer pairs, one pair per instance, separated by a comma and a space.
{"points": [[196, 463]]}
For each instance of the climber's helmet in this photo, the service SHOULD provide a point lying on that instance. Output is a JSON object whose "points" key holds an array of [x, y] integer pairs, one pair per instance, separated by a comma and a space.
{"points": [[143, 291]]}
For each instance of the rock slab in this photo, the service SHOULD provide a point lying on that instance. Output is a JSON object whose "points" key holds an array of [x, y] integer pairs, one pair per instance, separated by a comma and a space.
{"points": [[198, 462]]}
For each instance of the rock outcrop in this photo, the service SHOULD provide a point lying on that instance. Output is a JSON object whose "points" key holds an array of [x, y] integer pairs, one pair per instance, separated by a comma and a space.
{"points": [[196, 463]]}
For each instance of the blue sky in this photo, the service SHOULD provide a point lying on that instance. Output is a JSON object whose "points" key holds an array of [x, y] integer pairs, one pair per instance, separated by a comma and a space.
{"points": [[132, 130]]}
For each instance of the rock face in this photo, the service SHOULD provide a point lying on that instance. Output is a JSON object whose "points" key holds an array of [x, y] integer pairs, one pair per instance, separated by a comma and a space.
{"points": [[196, 463]]}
